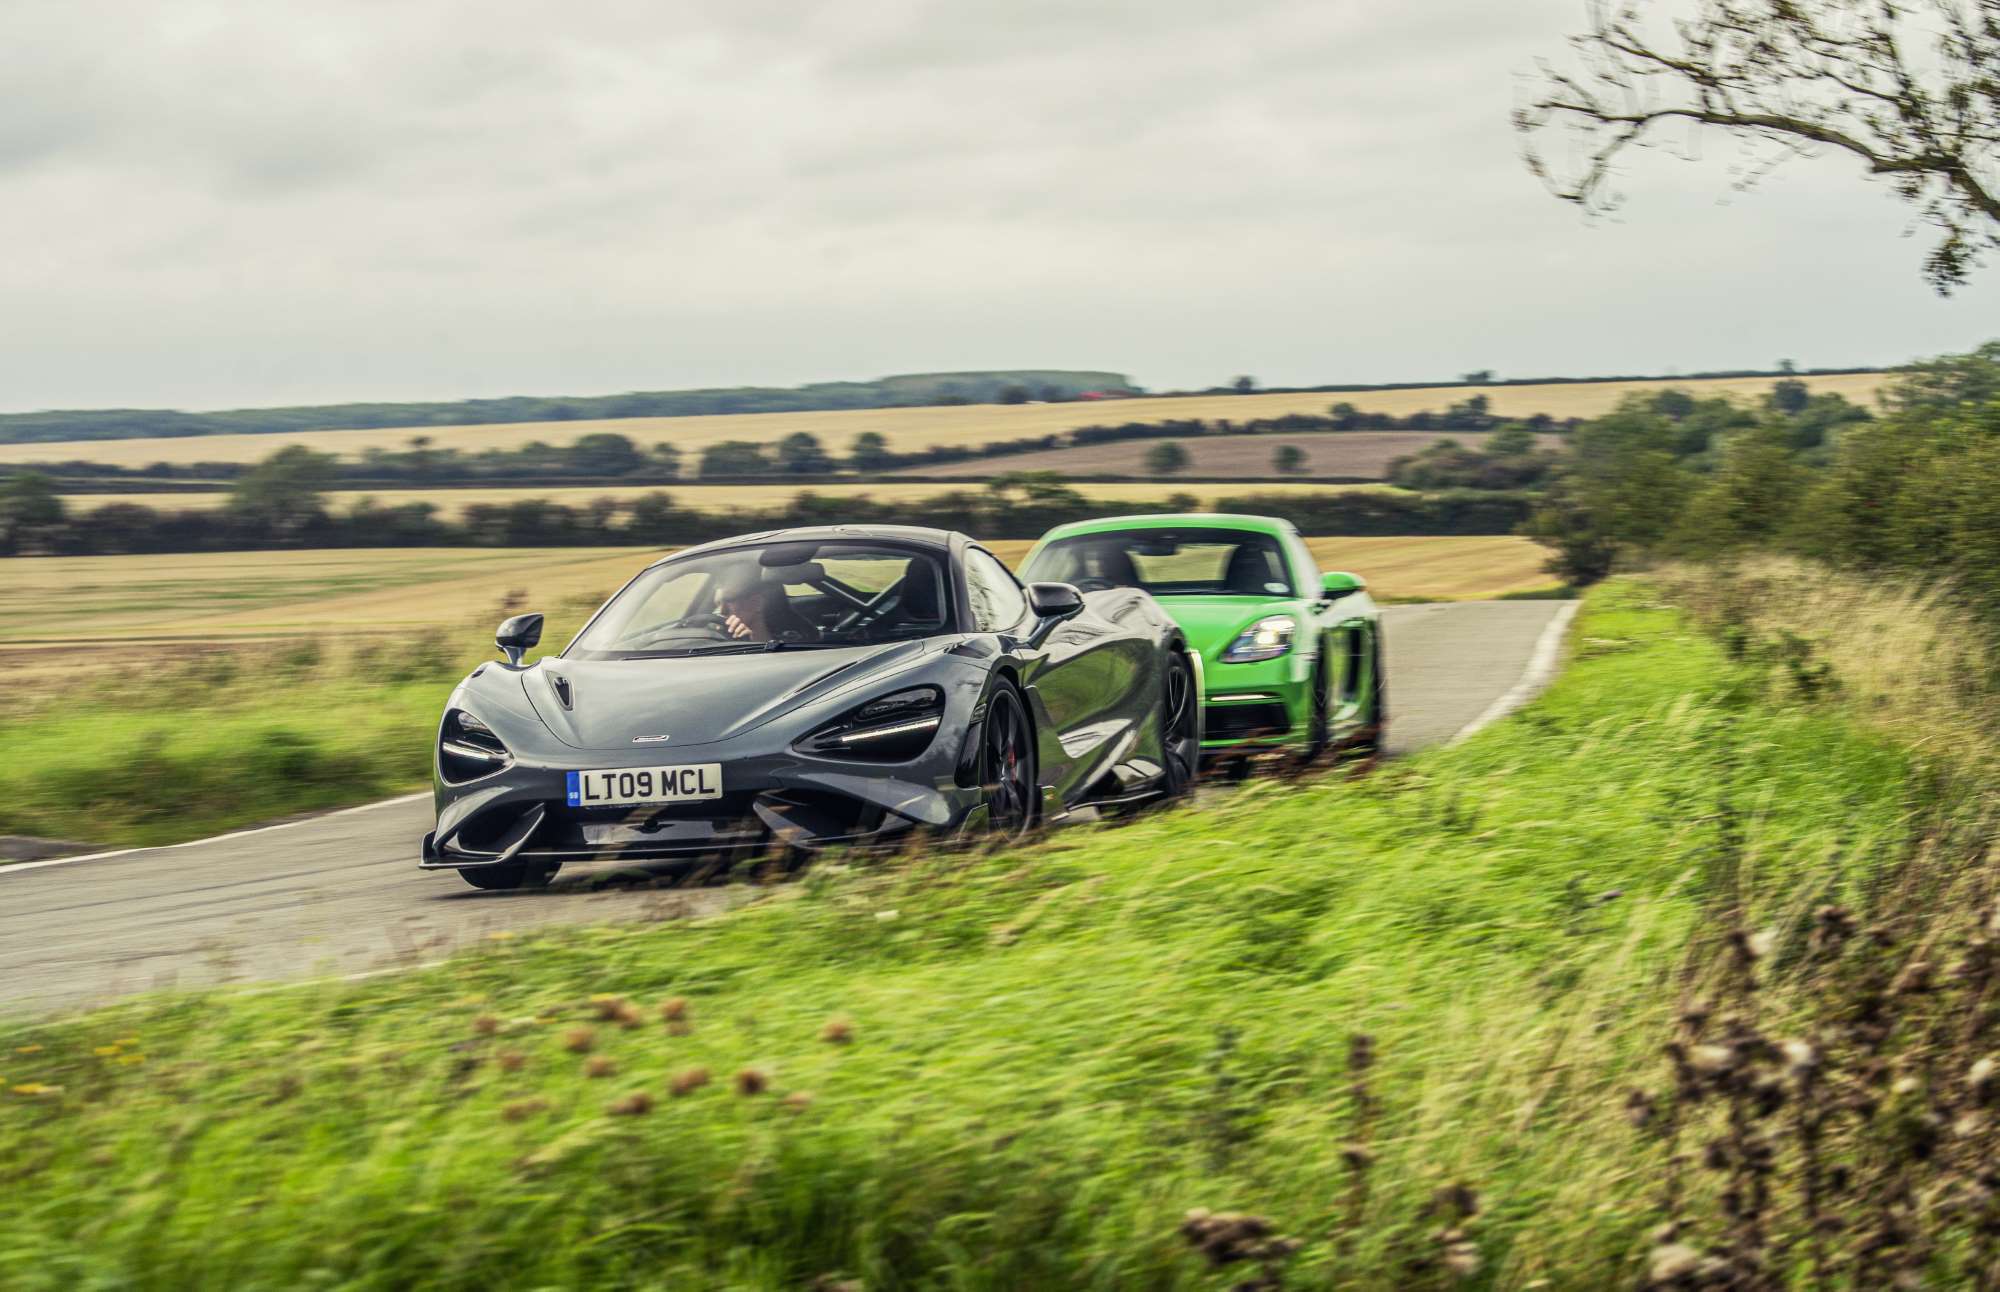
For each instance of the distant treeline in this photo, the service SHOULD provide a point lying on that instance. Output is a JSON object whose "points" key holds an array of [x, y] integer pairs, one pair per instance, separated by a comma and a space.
{"points": [[918, 389], [888, 392], [607, 457], [1477, 379], [1014, 507]]}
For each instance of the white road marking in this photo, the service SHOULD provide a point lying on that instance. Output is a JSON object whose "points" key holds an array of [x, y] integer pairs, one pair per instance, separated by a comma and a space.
{"points": [[1541, 667], [9, 869]]}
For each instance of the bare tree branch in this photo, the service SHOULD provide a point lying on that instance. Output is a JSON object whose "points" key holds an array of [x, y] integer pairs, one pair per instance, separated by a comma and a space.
{"points": [[1909, 87]]}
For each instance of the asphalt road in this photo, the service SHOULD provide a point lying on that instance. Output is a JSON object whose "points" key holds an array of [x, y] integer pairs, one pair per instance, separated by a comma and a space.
{"points": [[341, 894]]}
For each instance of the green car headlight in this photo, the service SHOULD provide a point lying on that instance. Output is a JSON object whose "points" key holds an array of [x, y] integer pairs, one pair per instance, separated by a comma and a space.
{"points": [[1268, 638]]}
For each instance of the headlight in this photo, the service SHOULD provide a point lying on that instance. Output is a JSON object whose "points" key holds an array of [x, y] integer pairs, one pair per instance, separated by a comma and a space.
{"points": [[892, 729], [468, 749], [1268, 638]]}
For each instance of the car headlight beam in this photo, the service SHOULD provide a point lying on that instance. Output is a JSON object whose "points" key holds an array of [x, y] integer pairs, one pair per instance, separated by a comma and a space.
{"points": [[1268, 638]]}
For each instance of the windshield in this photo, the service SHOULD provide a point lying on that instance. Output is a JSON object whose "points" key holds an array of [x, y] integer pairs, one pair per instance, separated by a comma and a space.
{"points": [[773, 596], [1167, 562]]}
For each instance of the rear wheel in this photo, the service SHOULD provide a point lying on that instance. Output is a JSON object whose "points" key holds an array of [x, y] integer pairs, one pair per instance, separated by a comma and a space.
{"points": [[1372, 736], [509, 876], [1180, 727], [1007, 763]]}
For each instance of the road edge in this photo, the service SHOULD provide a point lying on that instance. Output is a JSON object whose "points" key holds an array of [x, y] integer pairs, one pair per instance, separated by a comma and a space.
{"points": [[1541, 670]]}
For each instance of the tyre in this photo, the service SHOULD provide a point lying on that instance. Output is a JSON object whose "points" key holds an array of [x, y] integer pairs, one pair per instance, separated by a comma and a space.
{"points": [[512, 875], [1371, 737], [1007, 764], [1319, 715], [1180, 728]]}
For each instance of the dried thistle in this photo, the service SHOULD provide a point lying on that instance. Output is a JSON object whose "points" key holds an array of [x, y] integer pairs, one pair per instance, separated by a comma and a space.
{"points": [[687, 1081]]}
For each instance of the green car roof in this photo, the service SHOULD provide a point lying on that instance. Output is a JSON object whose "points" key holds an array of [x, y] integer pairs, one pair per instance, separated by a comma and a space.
{"points": [[1170, 520]]}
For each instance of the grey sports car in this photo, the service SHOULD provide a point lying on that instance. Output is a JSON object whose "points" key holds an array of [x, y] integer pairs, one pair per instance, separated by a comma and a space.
{"points": [[808, 688]]}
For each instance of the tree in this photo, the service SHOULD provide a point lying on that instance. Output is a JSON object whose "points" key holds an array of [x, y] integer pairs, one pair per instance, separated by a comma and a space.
{"points": [[800, 454], [734, 458], [1243, 385], [283, 493], [1483, 377], [1288, 460], [870, 452], [1948, 381], [29, 508], [1790, 395], [1908, 89], [603, 454], [1014, 395], [1166, 458]]}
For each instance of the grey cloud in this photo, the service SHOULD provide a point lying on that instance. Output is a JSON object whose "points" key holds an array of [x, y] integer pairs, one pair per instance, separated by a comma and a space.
{"points": [[229, 202]]}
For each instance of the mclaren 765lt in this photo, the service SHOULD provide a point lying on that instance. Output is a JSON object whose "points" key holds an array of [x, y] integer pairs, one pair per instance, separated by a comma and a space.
{"points": [[810, 688]]}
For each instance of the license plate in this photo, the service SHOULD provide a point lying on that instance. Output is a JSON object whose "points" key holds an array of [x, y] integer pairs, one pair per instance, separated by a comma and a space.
{"points": [[612, 787]]}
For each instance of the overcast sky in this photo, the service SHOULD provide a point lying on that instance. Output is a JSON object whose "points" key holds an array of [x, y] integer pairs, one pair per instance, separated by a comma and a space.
{"points": [[214, 205]]}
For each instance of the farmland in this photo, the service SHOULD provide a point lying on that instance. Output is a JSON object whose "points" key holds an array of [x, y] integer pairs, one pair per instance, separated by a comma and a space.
{"points": [[452, 503], [909, 428], [205, 598], [1342, 454]]}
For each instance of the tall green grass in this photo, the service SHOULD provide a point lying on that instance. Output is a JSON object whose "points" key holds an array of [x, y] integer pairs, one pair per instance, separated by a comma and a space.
{"points": [[161, 753], [1013, 1069]]}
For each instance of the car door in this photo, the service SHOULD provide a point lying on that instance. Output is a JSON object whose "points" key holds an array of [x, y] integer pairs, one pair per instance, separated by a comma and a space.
{"points": [[1081, 680]]}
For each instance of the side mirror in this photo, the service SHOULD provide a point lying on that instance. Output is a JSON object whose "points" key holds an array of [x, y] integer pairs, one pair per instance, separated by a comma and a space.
{"points": [[1054, 600], [518, 636], [1340, 584], [1051, 603]]}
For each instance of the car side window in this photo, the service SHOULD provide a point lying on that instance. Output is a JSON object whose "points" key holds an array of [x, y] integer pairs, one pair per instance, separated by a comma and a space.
{"points": [[997, 601]]}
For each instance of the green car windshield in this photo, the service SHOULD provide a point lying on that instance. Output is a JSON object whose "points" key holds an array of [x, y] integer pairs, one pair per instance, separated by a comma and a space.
{"points": [[1169, 562]]}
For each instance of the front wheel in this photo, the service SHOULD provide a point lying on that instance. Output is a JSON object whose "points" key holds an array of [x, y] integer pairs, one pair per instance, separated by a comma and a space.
{"points": [[1319, 716], [1007, 764], [509, 876], [1377, 730], [1180, 728]]}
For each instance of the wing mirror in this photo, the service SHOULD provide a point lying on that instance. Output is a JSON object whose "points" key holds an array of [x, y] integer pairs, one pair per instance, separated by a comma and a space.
{"points": [[1052, 603], [518, 636], [1340, 584]]}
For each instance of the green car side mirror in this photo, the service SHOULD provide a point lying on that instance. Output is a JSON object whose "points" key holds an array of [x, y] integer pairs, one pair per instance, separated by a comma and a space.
{"points": [[1339, 584]]}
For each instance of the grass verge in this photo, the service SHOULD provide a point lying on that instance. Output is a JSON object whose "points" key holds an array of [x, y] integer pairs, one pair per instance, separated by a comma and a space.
{"points": [[1015, 1069]]}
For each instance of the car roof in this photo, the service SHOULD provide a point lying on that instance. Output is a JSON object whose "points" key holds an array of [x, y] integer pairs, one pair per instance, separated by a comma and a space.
{"points": [[914, 535], [1171, 520]]}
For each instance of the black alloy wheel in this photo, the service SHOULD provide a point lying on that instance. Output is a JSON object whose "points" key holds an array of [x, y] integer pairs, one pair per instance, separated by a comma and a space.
{"points": [[1180, 727], [1007, 764], [1321, 718]]}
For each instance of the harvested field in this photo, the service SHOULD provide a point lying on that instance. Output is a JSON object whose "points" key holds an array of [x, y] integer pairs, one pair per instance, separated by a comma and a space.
{"points": [[909, 428], [114, 605]]}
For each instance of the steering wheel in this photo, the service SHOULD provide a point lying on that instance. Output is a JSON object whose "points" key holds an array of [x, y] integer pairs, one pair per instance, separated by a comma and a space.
{"points": [[702, 623], [1091, 583]]}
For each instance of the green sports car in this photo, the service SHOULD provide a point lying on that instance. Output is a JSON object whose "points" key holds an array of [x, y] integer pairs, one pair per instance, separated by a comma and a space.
{"points": [[1290, 659]]}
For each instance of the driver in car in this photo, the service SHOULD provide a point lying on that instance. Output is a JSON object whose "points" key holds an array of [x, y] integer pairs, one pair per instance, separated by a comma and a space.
{"points": [[753, 610]]}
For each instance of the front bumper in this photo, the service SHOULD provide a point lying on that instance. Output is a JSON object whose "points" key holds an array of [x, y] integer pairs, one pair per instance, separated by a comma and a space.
{"points": [[522, 814], [1265, 705]]}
